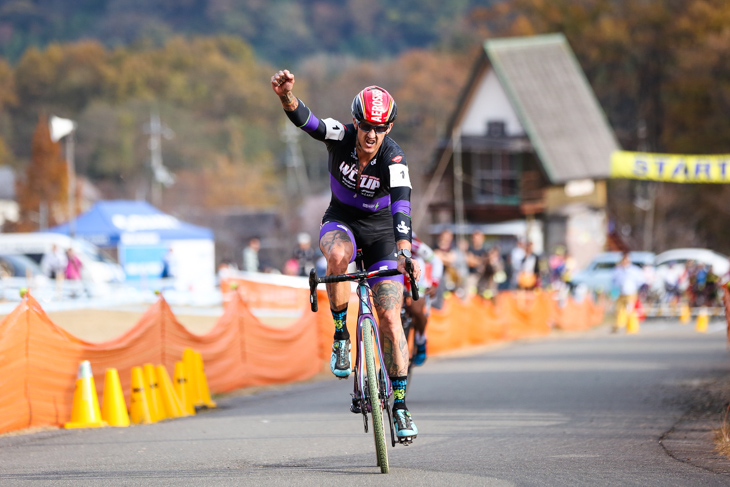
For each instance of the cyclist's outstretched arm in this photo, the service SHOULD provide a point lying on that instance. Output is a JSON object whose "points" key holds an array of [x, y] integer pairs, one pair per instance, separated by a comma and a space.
{"points": [[327, 130]]}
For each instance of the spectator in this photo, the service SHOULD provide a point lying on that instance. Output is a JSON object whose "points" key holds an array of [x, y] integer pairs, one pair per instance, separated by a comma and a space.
{"points": [[570, 267], [493, 274], [528, 271], [73, 266], [476, 260], [304, 254], [627, 279], [672, 279], [168, 265], [556, 264], [54, 263], [516, 257], [461, 268], [444, 250], [251, 255], [291, 268]]}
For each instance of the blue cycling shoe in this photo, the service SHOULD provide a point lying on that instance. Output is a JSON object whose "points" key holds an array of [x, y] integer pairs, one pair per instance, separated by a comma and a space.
{"points": [[420, 357], [340, 360], [405, 428]]}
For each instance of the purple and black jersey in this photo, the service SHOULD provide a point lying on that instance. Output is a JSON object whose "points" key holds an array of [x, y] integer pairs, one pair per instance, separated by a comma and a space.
{"points": [[380, 198]]}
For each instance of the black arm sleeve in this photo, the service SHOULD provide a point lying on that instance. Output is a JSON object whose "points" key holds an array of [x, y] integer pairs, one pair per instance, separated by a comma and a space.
{"points": [[304, 119]]}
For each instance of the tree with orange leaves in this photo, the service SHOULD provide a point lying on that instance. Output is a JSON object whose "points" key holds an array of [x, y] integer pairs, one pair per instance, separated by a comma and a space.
{"points": [[43, 193]]}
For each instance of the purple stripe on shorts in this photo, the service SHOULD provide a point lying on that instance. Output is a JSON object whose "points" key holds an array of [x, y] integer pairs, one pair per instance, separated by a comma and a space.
{"points": [[330, 226], [351, 198], [312, 123], [401, 206], [385, 264]]}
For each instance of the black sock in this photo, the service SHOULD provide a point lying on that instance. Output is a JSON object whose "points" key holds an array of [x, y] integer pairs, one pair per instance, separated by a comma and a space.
{"points": [[399, 391], [340, 318]]}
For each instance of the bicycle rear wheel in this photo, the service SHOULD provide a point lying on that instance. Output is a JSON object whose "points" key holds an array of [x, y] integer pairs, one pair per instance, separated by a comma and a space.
{"points": [[376, 406]]}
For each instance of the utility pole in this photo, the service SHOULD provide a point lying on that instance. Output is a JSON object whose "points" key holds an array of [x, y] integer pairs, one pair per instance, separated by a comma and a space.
{"points": [[160, 175], [458, 186], [60, 128], [297, 180]]}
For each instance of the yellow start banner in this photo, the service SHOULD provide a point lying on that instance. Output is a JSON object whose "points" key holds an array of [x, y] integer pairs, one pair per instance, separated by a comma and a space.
{"points": [[672, 168]]}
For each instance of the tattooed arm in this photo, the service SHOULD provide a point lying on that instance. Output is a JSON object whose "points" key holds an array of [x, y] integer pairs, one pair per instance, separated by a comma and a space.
{"points": [[282, 83]]}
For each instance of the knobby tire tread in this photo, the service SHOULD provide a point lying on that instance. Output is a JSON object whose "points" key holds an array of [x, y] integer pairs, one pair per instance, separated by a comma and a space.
{"points": [[381, 447]]}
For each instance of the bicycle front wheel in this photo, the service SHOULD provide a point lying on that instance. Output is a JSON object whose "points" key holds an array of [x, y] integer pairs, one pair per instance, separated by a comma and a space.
{"points": [[376, 406]]}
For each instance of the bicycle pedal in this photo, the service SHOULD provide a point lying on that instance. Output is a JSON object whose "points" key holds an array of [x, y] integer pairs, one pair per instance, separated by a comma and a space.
{"points": [[406, 440], [355, 408]]}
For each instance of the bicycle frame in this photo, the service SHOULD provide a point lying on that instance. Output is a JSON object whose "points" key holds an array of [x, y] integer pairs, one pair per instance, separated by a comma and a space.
{"points": [[365, 312]]}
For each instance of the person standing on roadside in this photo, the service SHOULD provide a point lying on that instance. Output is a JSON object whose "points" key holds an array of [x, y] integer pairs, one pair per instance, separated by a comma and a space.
{"points": [[627, 279], [53, 263]]}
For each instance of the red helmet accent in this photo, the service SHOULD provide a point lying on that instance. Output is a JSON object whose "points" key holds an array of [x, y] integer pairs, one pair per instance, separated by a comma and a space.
{"points": [[374, 105]]}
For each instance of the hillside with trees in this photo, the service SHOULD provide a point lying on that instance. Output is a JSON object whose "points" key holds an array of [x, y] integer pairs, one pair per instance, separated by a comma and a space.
{"points": [[661, 71]]}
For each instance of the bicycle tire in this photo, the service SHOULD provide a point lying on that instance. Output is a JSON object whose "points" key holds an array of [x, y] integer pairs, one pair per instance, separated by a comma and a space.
{"points": [[376, 411]]}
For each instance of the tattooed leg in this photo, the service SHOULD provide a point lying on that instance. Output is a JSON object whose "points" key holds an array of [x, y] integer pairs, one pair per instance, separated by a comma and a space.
{"points": [[337, 249], [388, 297]]}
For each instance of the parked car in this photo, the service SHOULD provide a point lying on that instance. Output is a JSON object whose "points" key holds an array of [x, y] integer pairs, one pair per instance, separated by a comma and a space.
{"points": [[18, 271], [96, 267], [720, 263], [598, 275]]}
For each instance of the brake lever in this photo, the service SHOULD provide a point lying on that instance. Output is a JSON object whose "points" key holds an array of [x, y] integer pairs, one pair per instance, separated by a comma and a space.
{"points": [[313, 289], [414, 284]]}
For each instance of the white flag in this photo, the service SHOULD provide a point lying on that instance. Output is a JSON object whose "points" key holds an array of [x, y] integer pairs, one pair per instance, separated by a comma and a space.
{"points": [[61, 127]]}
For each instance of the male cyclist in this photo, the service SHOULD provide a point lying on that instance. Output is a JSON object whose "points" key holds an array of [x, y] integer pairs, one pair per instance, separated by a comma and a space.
{"points": [[427, 285], [370, 209]]}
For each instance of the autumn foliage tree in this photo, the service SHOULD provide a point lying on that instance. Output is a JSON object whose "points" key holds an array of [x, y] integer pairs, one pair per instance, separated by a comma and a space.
{"points": [[43, 193]]}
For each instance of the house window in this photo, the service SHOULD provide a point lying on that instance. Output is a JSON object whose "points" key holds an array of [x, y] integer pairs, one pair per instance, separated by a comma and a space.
{"points": [[496, 177]]}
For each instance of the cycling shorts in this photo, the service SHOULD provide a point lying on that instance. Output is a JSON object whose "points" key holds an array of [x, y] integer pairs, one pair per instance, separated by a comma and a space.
{"points": [[378, 248]]}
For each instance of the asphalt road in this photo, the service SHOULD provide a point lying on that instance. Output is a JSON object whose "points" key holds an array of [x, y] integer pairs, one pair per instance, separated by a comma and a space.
{"points": [[584, 409]]}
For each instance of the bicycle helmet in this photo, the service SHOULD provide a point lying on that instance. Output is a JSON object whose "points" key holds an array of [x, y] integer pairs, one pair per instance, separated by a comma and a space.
{"points": [[374, 105]]}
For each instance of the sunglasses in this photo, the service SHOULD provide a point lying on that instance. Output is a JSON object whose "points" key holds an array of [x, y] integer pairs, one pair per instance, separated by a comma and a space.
{"points": [[366, 127]]}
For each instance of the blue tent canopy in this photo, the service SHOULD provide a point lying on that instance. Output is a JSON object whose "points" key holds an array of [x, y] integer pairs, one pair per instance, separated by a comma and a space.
{"points": [[109, 223]]}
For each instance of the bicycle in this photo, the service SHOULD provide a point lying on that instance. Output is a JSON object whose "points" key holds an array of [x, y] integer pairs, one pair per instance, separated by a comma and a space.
{"points": [[372, 388]]}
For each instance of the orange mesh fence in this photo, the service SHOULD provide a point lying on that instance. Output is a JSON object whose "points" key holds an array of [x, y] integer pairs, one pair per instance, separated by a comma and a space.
{"points": [[578, 316], [39, 360]]}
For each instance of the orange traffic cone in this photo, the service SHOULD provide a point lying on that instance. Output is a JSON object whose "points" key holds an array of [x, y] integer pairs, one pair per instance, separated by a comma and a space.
{"points": [[190, 362], [181, 388], [170, 401], [139, 410], [113, 408], [154, 399], [202, 382], [85, 412]]}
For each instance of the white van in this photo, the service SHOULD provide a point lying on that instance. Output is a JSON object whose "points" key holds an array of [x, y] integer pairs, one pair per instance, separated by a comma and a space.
{"points": [[96, 267]]}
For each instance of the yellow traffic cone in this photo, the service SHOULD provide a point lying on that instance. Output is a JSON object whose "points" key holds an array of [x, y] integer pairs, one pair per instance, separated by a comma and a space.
{"points": [[139, 410], [170, 401], [684, 314], [191, 374], [154, 399], [621, 318], [202, 381], [702, 321], [181, 388], [632, 326], [113, 408], [85, 412]]}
